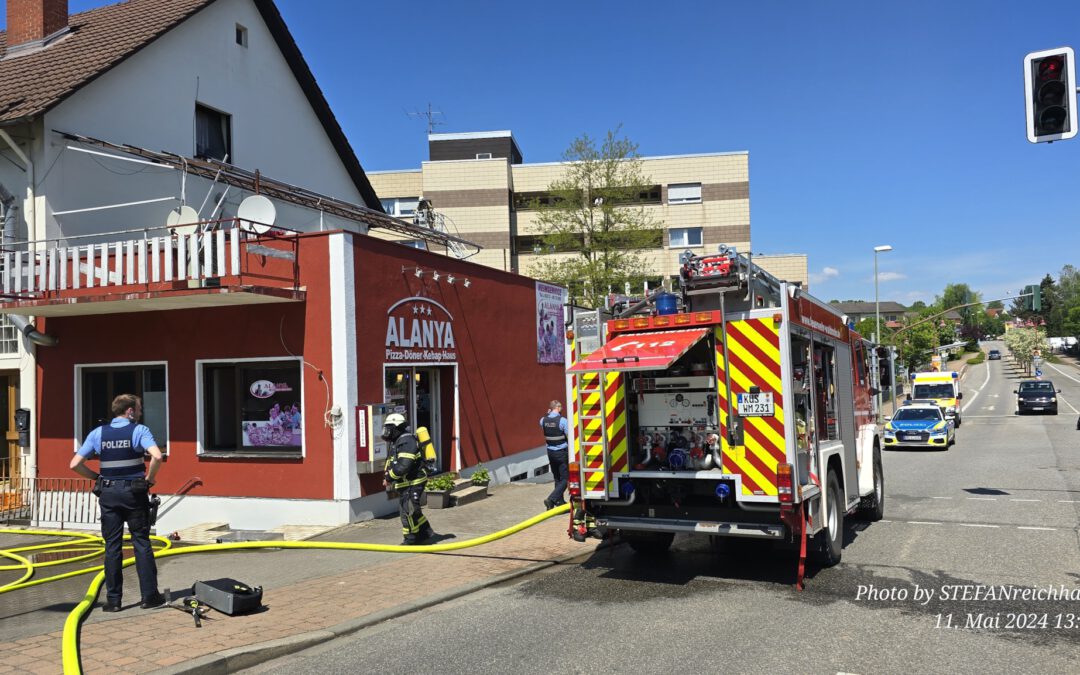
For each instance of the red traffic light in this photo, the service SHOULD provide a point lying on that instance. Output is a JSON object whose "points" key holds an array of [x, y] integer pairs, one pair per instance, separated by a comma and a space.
{"points": [[1051, 68]]}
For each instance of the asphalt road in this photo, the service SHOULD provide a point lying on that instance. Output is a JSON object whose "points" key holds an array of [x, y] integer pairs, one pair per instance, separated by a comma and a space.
{"points": [[996, 513]]}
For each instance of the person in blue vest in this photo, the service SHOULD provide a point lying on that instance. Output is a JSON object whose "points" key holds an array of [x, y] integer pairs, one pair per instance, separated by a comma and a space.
{"points": [[123, 490], [558, 452]]}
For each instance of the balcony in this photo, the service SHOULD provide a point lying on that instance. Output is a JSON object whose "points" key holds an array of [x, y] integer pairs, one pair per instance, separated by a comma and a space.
{"points": [[213, 264]]}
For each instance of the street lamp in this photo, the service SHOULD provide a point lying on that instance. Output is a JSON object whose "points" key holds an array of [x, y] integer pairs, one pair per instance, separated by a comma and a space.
{"points": [[877, 321]]}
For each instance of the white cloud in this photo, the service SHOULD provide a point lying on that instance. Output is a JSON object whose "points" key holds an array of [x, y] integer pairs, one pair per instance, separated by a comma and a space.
{"points": [[825, 274], [891, 276]]}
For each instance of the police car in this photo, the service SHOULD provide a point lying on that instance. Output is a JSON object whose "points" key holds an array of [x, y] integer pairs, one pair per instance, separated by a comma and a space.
{"points": [[918, 424]]}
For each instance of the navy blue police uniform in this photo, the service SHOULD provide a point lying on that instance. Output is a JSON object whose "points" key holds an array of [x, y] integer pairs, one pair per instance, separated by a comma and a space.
{"points": [[558, 452]]}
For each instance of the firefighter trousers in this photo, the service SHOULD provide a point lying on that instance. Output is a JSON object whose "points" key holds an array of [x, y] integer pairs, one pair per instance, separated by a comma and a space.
{"points": [[414, 524]]}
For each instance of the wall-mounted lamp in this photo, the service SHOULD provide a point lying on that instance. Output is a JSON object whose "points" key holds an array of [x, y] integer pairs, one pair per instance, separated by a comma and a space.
{"points": [[450, 279], [467, 282], [419, 272], [435, 275]]}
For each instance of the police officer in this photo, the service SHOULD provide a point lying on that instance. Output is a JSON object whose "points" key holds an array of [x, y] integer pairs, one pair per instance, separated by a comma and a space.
{"points": [[123, 487], [406, 474], [558, 452]]}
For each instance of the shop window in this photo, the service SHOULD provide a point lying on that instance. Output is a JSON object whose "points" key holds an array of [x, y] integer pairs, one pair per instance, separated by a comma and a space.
{"points": [[684, 193], [213, 134], [98, 386], [251, 407], [681, 237]]}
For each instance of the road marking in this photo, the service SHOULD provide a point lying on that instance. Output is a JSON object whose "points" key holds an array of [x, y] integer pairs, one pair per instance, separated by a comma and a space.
{"points": [[941, 498], [1062, 372], [994, 395], [1044, 529], [976, 525], [922, 522], [972, 399], [983, 499], [1068, 501], [989, 407], [1025, 500], [1068, 404]]}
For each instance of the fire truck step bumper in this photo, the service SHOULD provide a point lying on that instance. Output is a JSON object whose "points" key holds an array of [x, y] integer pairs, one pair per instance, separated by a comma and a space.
{"points": [[727, 529]]}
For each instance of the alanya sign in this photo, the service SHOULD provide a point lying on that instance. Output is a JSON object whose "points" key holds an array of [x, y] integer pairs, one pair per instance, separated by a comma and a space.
{"points": [[419, 329]]}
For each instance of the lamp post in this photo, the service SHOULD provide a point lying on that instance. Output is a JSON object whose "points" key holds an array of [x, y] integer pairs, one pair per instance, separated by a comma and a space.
{"points": [[877, 323]]}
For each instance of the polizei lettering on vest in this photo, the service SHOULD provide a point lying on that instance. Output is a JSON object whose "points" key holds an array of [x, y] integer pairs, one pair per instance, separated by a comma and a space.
{"points": [[115, 445], [423, 333]]}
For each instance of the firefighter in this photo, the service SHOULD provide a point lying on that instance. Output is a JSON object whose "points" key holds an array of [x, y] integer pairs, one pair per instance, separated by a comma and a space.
{"points": [[406, 474]]}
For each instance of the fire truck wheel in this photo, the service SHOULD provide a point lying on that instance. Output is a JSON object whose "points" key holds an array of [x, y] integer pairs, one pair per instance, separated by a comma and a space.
{"points": [[649, 543], [874, 509], [831, 538]]}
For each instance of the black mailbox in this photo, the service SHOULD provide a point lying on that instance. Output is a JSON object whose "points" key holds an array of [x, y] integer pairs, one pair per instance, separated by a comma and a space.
{"points": [[22, 425]]}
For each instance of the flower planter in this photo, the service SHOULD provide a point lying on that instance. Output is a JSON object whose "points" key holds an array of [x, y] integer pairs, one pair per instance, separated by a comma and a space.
{"points": [[437, 499]]}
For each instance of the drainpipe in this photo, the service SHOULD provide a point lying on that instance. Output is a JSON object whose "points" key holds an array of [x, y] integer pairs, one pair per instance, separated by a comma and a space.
{"points": [[31, 333]]}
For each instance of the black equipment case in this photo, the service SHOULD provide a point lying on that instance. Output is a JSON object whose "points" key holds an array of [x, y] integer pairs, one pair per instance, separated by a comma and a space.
{"points": [[228, 596]]}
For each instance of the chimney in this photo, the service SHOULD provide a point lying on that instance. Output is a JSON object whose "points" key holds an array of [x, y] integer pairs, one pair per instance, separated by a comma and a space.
{"points": [[31, 21]]}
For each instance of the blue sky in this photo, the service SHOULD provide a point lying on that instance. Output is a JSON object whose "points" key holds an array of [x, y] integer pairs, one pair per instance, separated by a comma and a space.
{"points": [[867, 123]]}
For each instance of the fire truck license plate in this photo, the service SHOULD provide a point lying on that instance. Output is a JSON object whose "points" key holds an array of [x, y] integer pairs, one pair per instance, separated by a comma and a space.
{"points": [[756, 405]]}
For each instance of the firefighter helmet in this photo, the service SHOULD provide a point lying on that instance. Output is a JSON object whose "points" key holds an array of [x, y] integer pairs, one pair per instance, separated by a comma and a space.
{"points": [[393, 426]]}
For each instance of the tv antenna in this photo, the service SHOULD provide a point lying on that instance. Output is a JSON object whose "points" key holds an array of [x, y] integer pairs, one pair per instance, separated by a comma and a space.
{"points": [[429, 114]]}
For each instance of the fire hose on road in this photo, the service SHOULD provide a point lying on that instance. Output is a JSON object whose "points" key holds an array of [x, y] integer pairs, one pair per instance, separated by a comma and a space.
{"points": [[91, 545]]}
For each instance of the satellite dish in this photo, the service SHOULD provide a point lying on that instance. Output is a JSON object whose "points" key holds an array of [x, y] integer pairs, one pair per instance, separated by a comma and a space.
{"points": [[183, 220], [256, 214]]}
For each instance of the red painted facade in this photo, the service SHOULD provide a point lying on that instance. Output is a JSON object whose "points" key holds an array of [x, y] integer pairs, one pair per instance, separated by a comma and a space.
{"points": [[502, 391]]}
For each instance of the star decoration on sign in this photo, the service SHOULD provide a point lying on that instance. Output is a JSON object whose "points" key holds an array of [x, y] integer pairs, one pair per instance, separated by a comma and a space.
{"points": [[421, 310]]}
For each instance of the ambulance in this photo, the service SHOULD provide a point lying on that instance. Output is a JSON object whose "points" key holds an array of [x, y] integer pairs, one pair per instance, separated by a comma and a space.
{"points": [[942, 388], [743, 407]]}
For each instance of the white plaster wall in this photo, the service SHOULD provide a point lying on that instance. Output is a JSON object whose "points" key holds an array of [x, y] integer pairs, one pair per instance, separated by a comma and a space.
{"points": [[149, 101]]}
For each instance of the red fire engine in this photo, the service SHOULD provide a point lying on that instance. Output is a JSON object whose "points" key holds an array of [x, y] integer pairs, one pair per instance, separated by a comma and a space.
{"points": [[743, 408]]}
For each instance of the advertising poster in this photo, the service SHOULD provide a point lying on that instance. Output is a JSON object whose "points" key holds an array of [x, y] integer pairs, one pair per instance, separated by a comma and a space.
{"points": [[550, 346], [272, 417]]}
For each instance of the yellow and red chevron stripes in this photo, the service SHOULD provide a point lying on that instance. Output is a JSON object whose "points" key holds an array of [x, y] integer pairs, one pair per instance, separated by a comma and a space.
{"points": [[591, 436], [615, 425], [754, 360]]}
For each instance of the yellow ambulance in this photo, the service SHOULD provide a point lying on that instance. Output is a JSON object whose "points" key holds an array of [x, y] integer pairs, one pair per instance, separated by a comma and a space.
{"points": [[942, 388]]}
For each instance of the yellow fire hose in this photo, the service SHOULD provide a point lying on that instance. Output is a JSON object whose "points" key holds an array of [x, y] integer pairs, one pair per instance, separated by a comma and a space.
{"points": [[89, 542]]}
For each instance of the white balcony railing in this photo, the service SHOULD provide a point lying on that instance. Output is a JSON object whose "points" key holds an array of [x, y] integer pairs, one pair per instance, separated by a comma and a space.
{"points": [[176, 257]]}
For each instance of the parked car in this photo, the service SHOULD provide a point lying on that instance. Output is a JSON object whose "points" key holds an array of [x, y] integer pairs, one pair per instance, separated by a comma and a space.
{"points": [[993, 355], [1036, 396], [919, 425]]}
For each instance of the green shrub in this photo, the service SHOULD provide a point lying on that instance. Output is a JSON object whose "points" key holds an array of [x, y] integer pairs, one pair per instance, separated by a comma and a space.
{"points": [[977, 359], [442, 482], [480, 475]]}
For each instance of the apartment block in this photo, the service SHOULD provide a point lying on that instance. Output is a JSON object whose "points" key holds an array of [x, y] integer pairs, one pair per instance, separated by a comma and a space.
{"points": [[481, 190]]}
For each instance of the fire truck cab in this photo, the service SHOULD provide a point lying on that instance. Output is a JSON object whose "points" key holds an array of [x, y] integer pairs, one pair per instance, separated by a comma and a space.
{"points": [[744, 409]]}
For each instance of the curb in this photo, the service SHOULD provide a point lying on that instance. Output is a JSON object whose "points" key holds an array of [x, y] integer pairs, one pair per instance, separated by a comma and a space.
{"points": [[238, 658]]}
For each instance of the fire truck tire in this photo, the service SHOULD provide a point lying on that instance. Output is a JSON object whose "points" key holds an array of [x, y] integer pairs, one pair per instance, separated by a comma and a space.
{"points": [[874, 510], [649, 543], [831, 538]]}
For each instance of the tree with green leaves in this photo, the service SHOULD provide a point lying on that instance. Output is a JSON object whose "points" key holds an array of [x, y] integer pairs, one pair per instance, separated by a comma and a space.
{"points": [[1025, 344], [593, 222], [915, 343]]}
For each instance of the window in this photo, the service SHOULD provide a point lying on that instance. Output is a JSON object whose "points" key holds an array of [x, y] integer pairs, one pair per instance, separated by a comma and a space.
{"points": [[241, 36], [684, 193], [483, 155], [251, 407], [213, 134], [99, 385], [685, 236], [9, 336], [400, 206]]}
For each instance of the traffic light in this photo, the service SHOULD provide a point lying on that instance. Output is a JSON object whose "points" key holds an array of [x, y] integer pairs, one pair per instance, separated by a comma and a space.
{"points": [[1050, 88], [1033, 301]]}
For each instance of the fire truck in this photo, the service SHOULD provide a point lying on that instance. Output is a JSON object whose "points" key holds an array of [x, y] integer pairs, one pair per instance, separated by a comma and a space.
{"points": [[741, 407]]}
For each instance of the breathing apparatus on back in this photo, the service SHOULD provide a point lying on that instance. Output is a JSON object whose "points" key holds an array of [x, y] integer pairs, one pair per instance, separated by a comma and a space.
{"points": [[427, 450]]}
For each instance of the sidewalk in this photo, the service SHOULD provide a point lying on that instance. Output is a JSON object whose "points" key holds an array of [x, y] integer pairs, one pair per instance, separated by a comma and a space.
{"points": [[311, 595]]}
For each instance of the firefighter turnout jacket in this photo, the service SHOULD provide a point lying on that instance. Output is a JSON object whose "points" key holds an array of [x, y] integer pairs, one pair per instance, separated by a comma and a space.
{"points": [[404, 466]]}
